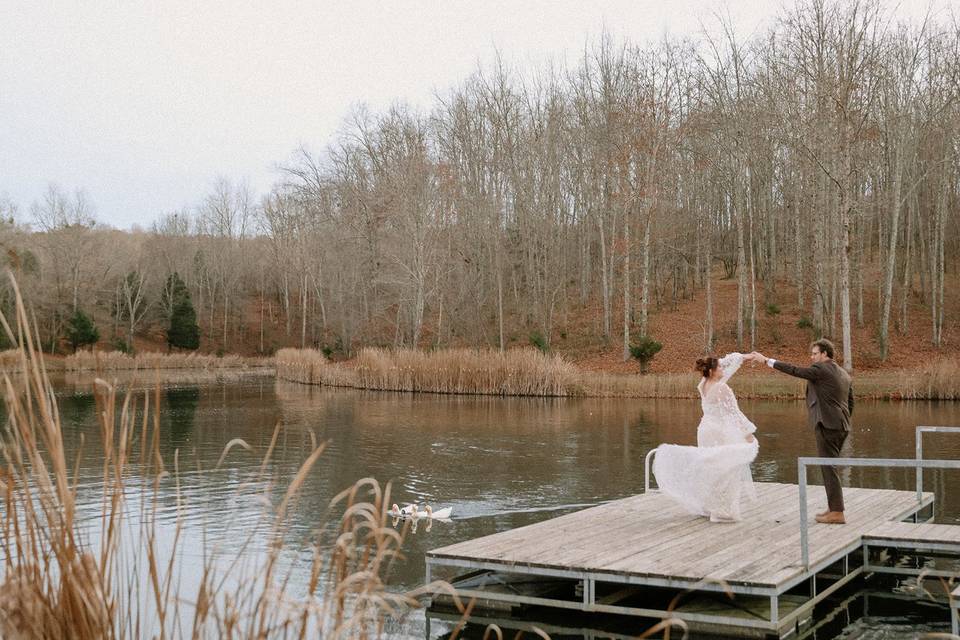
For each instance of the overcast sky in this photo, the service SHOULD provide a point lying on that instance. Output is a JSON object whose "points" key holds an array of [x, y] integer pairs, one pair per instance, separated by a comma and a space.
{"points": [[144, 104]]}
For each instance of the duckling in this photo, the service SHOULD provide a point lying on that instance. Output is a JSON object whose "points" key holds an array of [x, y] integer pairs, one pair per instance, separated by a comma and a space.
{"points": [[405, 512]]}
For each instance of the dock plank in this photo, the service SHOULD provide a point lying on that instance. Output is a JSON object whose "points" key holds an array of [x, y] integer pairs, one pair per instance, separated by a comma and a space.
{"points": [[650, 536], [911, 532]]}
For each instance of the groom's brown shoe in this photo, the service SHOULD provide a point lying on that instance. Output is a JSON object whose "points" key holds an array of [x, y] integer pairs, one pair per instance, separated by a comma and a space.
{"points": [[822, 513], [831, 517]]}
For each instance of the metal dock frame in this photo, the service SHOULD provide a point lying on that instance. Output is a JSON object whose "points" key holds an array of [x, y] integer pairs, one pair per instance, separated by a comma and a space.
{"points": [[847, 558]]}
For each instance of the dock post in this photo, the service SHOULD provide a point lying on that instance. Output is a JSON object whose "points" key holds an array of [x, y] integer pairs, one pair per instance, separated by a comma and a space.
{"points": [[919, 437], [589, 587], [804, 547], [955, 612]]}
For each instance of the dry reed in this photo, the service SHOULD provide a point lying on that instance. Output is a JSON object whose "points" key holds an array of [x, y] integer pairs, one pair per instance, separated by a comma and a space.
{"points": [[63, 578], [527, 372], [309, 366], [118, 361], [520, 372]]}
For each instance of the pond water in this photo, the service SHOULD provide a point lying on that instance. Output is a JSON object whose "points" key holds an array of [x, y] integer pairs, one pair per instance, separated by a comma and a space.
{"points": [[498, 462]]}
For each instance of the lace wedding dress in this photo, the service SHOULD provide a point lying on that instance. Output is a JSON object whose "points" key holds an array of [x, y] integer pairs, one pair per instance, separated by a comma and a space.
{"points": [[710, 479]]}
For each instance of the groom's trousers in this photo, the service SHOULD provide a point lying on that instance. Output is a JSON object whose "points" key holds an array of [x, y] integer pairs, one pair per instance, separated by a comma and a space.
{"points": [[829, 444]]}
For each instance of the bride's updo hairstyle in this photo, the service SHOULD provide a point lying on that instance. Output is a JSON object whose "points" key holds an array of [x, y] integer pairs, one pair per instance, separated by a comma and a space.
{"points": [[706, 366]]}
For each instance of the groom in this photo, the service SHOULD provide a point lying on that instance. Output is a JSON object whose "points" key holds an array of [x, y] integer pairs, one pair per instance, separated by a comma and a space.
{"points": [[829, 407]]}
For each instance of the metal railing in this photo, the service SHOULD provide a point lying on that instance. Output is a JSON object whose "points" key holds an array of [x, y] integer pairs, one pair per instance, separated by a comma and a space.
{"points": [[917, 463], [919, 438], [646, 470]]}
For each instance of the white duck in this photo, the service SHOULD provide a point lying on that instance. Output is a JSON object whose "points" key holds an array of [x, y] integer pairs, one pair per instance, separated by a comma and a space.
{"points": [[412, 511], [397, 512], [439, 514]]}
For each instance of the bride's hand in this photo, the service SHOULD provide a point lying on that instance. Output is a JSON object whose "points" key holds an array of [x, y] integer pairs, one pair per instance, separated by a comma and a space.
{"points": [[750, 437]]}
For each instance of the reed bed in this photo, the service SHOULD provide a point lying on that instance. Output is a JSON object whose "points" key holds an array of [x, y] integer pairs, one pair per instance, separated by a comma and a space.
{"points": [[521, 372], [309, 366], [528, 372], [106, 575], [937, 380], [119, 361]]}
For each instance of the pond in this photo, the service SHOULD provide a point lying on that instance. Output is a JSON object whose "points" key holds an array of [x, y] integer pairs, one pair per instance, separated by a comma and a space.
{"points": [[498, 462]]}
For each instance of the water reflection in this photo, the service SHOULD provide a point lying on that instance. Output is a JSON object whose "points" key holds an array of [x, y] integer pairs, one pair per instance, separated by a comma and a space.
{"points": [[178, 414], [498, 462]]}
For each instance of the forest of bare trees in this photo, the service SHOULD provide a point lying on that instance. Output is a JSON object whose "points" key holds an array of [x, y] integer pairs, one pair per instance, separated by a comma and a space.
{"points": [[823, 154]]}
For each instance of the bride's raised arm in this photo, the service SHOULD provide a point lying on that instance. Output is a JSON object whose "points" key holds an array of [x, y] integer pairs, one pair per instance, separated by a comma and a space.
{"points": [[729, 364]]}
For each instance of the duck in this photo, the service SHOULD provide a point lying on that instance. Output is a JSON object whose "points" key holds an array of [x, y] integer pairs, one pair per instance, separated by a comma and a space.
{"points": [[405, 512], [412, 511], [439, 514]]}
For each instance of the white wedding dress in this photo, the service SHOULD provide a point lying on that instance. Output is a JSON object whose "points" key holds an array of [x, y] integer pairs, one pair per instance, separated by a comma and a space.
{"points": [[710, 478]]}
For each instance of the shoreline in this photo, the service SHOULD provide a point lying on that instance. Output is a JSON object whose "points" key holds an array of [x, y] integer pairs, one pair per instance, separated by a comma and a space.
{"points": [[518, 373], [529, 373]]}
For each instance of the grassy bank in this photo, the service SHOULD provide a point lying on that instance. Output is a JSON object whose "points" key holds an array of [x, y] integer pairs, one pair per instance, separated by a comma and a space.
{"points": [[103, 361], [528, 372]]}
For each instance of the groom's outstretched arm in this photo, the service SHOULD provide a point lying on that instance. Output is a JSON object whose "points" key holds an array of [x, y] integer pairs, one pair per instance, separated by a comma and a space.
{"points": [[807, 373]]}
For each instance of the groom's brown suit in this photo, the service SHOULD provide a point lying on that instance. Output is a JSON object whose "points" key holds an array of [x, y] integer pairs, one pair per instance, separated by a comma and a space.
{"points": [[829, 407]]}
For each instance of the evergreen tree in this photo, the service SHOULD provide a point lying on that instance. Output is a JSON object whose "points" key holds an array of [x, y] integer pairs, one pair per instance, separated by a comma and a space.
{"points": [[174, 292], [81, 330], [183, 333], [643, 350]]}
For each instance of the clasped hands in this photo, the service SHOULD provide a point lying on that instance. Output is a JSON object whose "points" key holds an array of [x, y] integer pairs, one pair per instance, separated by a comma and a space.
{"points": [[755, 356]]}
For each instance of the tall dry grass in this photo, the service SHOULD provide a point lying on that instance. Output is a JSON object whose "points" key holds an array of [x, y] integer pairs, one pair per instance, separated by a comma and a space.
{"points": [[65, 576], [309, 366], [119, 361], [937, 380], [520, 372], [524, 372], [528, 372]]}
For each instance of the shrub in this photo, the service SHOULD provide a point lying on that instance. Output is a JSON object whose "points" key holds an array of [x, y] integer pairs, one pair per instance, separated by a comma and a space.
{"points": [[81, 331], [644, 349], [804, 323], [119, 344], [773, 309], [539, 341]]}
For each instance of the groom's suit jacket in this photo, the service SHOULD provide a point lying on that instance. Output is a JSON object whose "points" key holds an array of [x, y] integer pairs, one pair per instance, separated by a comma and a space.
{"points": [[829, 393]]}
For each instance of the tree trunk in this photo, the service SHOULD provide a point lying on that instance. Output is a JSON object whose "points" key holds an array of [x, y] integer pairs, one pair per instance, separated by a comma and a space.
{"points": [[886, 296], [500, 306], [907, 273], [741, 274], [626, 286], [303, 311], [604, 281], [798, 257], [645, 273], [708, 263]]}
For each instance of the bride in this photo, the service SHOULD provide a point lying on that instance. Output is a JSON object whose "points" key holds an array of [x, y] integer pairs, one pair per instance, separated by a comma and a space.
{"points": [[709, 479]]}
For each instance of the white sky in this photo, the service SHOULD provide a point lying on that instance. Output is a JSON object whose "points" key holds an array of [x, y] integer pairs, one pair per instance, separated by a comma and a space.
{"points": [[144, 104]]}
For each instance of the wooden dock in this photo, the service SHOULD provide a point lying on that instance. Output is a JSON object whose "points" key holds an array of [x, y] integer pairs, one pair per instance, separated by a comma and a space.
{"points": [[634, 556]]}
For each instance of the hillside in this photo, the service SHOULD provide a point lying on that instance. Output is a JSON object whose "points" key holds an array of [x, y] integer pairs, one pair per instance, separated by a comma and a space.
{"points": [[680, 331]]}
